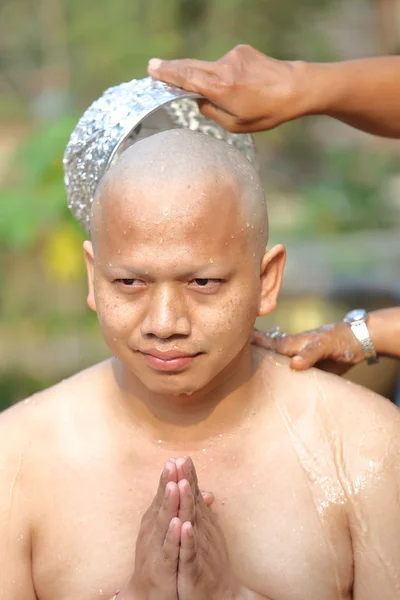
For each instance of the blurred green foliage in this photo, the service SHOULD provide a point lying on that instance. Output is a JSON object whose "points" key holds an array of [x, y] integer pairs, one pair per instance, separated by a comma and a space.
{"points": [[16, 384], [33, 199], [350, 194], [97, 43]]}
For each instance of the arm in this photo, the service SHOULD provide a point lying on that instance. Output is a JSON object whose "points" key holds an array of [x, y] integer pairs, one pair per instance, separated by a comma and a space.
{"points": [[15, 543], [363, 93], [333, 347], [246, 90], [384, 327]]}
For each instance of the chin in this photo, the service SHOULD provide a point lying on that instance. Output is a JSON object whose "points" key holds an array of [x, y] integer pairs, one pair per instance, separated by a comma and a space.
{"points": [[174, 387]]}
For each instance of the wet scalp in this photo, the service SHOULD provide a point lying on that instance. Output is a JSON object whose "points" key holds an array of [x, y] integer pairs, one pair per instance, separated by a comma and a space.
{"points": [[184, 157]]}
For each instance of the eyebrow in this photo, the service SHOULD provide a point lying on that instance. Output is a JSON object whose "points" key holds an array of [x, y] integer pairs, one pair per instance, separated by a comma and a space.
{"points": [[202, 270]]}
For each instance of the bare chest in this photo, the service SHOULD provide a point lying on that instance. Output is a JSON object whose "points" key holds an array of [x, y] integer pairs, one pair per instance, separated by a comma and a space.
{"points": [[285, 537]]}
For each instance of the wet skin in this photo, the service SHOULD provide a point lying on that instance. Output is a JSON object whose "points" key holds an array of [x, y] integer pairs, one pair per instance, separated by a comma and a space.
{"points": [[304, 466]]}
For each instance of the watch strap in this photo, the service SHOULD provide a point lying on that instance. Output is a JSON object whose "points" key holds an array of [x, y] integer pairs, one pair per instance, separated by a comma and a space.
{"points": [[360, 331]]}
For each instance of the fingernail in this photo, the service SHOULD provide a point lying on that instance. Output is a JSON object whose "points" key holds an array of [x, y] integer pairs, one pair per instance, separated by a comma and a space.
{"points": [[167, 491], [154, 63], [172, 525]]}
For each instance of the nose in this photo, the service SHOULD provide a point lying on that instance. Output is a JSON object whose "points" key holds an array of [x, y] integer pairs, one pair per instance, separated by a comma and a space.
{"points": [[166, 314]]}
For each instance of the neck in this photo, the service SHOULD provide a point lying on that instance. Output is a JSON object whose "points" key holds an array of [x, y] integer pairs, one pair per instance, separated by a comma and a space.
{"points": [[222, 406]]}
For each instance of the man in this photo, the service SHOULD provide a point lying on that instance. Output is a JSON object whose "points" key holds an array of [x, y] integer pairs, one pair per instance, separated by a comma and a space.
{"points": [[304, 467]]}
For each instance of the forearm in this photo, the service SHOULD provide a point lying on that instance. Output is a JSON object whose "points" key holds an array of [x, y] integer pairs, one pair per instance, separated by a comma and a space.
{"points": [[364, 93], [384, 328]]}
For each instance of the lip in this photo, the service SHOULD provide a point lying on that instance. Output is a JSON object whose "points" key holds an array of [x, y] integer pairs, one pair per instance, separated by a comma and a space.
{"points": [[171, 360]]}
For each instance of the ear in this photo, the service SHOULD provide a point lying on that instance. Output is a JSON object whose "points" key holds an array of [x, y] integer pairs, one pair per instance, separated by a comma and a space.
{"points": [[89, 260], [272, 266]]}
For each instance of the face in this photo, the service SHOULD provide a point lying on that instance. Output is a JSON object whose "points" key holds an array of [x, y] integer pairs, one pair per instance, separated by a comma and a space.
{"points": [[177, 289]]}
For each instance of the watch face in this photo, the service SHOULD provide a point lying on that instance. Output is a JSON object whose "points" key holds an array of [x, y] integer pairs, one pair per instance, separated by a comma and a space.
{"points": [[359, 314]]}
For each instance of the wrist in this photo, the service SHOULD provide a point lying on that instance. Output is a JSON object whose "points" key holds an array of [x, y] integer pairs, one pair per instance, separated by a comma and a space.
{"points": [[324, 88], [298, 96], [384, 327]]}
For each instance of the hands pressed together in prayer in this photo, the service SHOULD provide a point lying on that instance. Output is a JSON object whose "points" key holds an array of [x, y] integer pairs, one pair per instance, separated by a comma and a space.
{"points": [[181, 553]]}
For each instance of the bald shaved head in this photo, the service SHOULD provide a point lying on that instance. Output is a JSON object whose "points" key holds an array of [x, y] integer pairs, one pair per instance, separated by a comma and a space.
{"points": [[177, 260], [187, 161]]}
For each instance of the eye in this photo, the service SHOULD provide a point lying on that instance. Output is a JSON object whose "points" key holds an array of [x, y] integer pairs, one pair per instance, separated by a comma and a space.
{"points": [[130, 283], [205, 284], [126, 281]]}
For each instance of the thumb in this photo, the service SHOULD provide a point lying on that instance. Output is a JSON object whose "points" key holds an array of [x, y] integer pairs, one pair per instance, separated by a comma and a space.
{"points": [[208, 498], [187, 73]]}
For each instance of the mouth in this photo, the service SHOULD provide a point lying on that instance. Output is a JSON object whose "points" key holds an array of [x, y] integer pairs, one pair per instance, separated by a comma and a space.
{"points": [[168, 361]]}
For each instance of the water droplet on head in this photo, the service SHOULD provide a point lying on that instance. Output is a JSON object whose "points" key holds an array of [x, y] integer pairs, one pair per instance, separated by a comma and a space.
{"points": [[211, 260]]}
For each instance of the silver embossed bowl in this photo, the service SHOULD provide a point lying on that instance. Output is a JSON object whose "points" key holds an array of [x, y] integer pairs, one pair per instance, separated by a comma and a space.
{"points": [[120, 117]]}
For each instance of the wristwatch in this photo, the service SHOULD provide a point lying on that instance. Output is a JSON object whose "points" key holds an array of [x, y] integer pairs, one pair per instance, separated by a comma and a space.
{"points": [[357, 319]]}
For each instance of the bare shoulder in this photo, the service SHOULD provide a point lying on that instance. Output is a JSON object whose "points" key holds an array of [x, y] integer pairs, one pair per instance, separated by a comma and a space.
{"points": [[33, 422], [363, 424], [356, 408], [369, 426], [34, 434]]}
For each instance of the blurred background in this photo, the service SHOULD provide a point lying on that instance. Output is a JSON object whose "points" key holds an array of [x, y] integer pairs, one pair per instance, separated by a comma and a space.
{"points": [[333, 192]]}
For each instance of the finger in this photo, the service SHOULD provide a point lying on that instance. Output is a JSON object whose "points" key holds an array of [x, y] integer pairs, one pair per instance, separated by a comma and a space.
{"points": [[187, 551], [208, 498], [168, 510], [169, 473], [189, 74], [228, 120], [290, 345], [186, 510], [309, 356], [186, 470], [170, 548], [220, 116], [261, 339]]}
